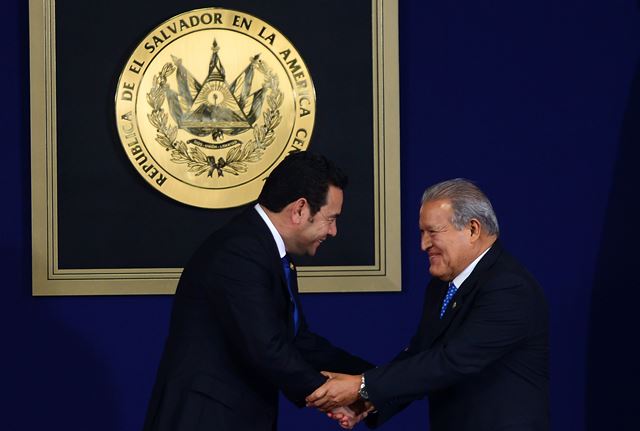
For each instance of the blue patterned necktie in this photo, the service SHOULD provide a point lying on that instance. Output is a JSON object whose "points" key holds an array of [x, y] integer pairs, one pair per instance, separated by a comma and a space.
{"points": [[286, 266], [450, 292]]}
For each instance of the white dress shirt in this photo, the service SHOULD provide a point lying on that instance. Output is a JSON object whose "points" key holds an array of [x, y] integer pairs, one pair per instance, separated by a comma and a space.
{"points": [[276, 235]]}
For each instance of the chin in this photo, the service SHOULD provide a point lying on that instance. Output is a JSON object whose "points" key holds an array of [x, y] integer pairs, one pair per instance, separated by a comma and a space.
{"points": [[437, 274]]}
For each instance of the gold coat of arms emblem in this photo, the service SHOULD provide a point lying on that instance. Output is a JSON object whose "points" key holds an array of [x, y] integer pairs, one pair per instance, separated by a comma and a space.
{"points": [[209, 103]]}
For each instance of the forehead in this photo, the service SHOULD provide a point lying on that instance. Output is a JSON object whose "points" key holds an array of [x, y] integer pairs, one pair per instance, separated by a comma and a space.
{"points": [[436, 212]]}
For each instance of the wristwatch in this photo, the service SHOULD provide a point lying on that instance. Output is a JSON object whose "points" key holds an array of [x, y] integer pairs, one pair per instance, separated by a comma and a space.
{"points": [[363, 389]]}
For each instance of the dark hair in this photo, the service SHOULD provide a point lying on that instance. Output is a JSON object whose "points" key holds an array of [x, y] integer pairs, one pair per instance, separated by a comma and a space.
{"points": [[301, 174]]}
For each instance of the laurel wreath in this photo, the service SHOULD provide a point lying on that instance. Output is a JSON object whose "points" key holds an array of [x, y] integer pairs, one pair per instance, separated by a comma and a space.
{"points": [[237, 158]]}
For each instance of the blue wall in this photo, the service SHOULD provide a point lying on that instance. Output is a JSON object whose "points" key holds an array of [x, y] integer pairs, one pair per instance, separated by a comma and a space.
{"points": [[539, 102]]}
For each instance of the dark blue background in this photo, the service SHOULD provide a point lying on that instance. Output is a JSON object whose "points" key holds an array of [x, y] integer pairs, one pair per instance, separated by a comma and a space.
{"points": [[539, 102]]}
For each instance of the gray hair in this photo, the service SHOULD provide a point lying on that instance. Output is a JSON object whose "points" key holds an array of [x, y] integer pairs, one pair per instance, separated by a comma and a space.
{"points": [[468, 203]]}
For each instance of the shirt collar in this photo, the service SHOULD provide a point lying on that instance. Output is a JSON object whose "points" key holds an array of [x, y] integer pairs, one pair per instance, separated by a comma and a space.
{"points": [[274, 232], [468, 270]]}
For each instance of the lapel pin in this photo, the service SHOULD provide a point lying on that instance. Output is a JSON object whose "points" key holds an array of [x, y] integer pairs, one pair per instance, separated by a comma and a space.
{"points": [[454, 305], [291, 266]]}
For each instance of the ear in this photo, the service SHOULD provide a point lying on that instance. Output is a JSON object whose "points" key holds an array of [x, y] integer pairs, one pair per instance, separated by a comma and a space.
{"points": [[298, 210], [475, 228]]}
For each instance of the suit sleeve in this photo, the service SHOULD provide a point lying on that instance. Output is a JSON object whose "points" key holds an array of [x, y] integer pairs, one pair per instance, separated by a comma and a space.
{"points": [[379, 416], [240, 288], [496, 324]]}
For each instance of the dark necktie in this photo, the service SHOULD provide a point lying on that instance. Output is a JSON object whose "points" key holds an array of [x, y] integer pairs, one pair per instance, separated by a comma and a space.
{"points": [[450, 292], [287, 267]]}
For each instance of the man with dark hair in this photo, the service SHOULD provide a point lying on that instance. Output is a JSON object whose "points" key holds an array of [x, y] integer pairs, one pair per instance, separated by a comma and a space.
{"points": [[301, 174], [238, 333], [480, 353]]}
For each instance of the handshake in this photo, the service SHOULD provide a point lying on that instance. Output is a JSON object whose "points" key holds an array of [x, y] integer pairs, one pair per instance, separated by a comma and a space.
{"points": [[339, 397]]}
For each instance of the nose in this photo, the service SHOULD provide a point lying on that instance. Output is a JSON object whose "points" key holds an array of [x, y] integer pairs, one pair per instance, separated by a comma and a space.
{"points": [[425, 241], [333, 229]]}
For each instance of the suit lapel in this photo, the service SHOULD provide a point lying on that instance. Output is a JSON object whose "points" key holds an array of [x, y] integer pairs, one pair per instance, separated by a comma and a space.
{"points": [[476, 277], [437, 325], [431, 324], [263, 232]]}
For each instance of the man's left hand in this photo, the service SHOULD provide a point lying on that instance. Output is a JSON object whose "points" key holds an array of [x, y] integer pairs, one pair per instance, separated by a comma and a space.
{"points": [[346, 417]]}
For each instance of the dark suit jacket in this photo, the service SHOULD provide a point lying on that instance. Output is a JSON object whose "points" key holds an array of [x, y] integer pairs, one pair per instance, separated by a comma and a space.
{"points": [[231, 343], [484, 366]]}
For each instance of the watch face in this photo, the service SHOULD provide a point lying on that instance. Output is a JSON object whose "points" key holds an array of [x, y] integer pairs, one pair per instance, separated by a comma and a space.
{"points": [[363, 393]]}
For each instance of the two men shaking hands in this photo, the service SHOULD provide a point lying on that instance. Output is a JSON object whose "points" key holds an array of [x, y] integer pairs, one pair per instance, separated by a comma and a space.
{"points": [[238, 334]]}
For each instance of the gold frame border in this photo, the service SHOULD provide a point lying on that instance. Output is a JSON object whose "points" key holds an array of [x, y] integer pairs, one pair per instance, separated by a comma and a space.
{"points": [[49, 279]]}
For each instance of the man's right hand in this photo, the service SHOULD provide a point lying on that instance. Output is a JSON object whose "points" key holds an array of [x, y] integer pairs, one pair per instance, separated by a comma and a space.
{"points": [[339, 390]]}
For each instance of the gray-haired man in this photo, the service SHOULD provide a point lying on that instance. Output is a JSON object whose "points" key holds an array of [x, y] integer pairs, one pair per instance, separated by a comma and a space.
{"points": [[480, 353]]}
